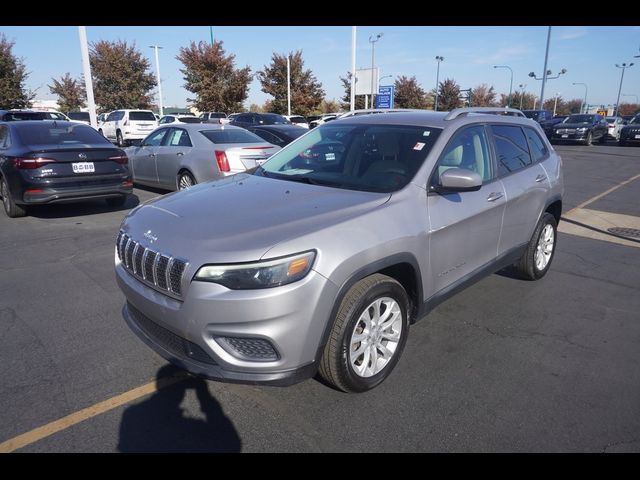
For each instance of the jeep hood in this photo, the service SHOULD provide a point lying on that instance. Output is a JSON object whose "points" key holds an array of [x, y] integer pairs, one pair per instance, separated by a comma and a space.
{"points": [[238, 219]]}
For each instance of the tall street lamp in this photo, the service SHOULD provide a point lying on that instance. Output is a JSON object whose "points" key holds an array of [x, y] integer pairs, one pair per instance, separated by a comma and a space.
{"points": [[624, 66], [438, 59], [160, 106], [555, 103], [373, 39], [584, 102], [546, 76], [510, 83], [522, 87]]}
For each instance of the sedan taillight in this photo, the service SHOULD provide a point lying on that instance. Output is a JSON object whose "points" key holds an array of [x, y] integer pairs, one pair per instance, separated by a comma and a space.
{"points": [[31, 163], [223, 162], [121, 159]]}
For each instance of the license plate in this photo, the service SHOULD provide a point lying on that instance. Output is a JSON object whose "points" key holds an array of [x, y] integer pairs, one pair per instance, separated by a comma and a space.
{"points": [[565, 136], [83, 167], [637, 136]]}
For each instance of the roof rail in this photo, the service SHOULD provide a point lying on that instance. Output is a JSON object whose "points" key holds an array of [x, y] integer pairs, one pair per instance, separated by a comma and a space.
{"points": [[457, 112], [365, 111]]}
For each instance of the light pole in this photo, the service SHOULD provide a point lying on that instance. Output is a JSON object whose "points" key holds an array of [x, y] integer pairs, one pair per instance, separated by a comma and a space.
{"points": [[88, 82], [546, 76], [522, 87], [373, 39], [555, 104], [160, 106], [380, 79], [584, 102], [438, 59], [510, 83], [624, 66]]}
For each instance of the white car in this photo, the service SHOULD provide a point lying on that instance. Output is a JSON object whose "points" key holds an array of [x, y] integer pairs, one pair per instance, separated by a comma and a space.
{"points": [[297, 120], [614, 125], [123, 126], [179, 119]]}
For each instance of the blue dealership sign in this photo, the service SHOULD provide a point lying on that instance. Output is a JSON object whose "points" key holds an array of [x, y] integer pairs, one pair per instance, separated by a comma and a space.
{"points": [[385, 97]]}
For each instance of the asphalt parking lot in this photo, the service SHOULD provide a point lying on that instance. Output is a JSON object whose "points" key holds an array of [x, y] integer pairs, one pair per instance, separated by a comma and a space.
{"points": [[507, 365]]}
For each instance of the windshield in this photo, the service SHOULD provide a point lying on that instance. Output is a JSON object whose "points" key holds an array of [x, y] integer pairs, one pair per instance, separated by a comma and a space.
{"points": [[59, 133], [579, 119], [635, 120], [83, 116], [190, 119], [533, 114], [375, 158], [272, 119], [297, 120], [238, 135]]}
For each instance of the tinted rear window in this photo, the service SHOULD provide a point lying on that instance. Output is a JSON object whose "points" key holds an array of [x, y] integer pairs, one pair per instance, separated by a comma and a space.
{"points": [[298, 120], [11, 116], [59, 133], [84, 116], [190, 120], [231, 136], [142, 116], [273, 119], [217, 115]]}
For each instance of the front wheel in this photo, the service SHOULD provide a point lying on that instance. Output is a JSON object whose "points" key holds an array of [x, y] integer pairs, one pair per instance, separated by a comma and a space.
{"points": [[589, 140], [368, 335], [119, 139], [536, 260]]}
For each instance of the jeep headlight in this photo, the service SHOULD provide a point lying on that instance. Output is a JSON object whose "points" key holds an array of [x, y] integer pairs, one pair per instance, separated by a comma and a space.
{"points": [[262, 274]]}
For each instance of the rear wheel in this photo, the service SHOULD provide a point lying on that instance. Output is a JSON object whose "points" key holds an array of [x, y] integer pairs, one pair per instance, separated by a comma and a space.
{"points": [[185, 180], [536, 260], [119, 139], [11, 209], [116, 201], [603, 138], [368, 335]]}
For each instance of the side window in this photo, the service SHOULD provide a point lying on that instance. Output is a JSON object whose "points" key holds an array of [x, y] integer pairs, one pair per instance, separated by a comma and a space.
{"points": [[511, 148], [119, 116], [466, 149], [4, 137], [243, 118], [536, 145], [155, 138], [178, 138], [111, 117]]}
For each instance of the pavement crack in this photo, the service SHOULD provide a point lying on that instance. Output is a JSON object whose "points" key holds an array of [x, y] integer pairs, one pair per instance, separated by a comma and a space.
{"points": [[615, 444]]}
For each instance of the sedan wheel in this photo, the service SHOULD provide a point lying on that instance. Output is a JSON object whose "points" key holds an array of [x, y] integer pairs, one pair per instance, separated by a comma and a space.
{"points": [[185, 181]]}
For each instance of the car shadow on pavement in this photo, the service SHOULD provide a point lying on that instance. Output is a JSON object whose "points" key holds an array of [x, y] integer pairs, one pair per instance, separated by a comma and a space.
{"points": [[159, 424], [89, 207]]}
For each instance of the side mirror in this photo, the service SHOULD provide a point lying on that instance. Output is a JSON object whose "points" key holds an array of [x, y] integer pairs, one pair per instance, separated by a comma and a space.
{"points": [[459, 180]]}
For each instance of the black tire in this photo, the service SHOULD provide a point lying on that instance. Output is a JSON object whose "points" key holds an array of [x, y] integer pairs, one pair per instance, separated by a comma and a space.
{"points": [[116, 201], [11, 209], [335, 366], [589, 141], [119, 139], [185, 180], [602, 139], [526, 266]]}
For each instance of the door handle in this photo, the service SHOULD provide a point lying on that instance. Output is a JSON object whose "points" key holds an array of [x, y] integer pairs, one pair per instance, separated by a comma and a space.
{"points": [[179, 154], [494, 196], [541, 178]]}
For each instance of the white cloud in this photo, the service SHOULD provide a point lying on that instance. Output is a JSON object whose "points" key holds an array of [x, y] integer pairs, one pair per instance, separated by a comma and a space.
{"points": [[503, 54], [570, 33]]}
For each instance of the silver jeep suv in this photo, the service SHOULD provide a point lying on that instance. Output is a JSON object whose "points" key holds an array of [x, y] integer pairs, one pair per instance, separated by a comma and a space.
{"points": [[320, 259]]}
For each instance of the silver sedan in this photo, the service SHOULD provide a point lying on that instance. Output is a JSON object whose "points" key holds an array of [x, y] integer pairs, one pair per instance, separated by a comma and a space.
{"points": [[178, 156]]}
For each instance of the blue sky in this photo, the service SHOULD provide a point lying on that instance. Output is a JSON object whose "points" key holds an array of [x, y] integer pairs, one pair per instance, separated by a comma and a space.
{"points": [[588, 53]]}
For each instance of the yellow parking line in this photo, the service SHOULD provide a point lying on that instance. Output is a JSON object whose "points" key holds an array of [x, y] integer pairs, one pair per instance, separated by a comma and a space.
{"points": [[63, 423], [603, 194]]}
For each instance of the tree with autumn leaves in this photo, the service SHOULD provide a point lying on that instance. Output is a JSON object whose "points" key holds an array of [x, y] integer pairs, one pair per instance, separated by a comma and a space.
{"points": [[71, 93], [13, 74]]}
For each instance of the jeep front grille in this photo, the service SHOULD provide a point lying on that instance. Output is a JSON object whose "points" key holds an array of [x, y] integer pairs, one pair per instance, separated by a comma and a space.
{"points": [[163, 272]]}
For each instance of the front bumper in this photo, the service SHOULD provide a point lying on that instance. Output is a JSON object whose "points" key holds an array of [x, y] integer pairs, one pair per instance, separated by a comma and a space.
{"points": [[291, 318], [569, 137]]}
